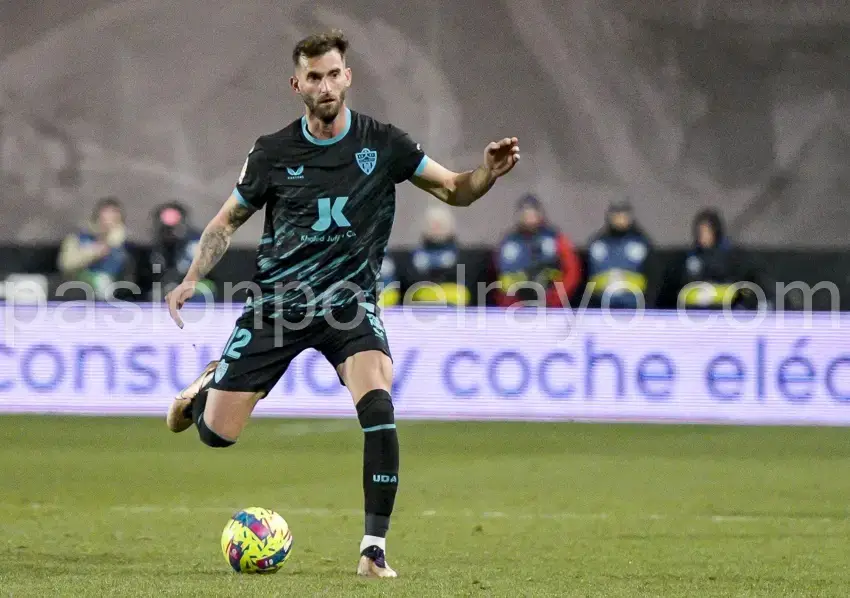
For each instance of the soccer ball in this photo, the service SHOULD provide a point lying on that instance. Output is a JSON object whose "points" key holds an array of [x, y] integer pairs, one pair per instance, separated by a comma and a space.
{"points": [[256, 540]]}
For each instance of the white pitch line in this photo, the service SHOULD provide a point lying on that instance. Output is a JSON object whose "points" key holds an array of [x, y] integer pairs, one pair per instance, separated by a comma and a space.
{"points": [[465, 513], [733, 518]]}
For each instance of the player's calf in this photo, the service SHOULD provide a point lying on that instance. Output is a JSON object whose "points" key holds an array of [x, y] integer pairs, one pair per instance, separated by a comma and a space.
{"points": [[205, 433], [221, 415]]}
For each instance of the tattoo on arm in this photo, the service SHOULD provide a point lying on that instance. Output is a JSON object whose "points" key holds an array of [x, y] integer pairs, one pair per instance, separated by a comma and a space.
{"points": [[214, 243], [216, 239], [238, 215]]}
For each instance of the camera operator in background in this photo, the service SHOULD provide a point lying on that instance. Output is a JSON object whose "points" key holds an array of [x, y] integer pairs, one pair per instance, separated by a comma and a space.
{"points": [[97, 254], [174, 244], [538, 253], [435, 261], [618, 261]]}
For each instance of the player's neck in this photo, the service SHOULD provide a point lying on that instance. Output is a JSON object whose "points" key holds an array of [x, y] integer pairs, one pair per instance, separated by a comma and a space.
{"points": [[322, 130]]}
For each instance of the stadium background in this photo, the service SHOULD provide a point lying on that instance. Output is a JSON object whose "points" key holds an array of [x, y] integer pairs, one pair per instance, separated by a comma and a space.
{"points": [[681, 105], [677, 105]]}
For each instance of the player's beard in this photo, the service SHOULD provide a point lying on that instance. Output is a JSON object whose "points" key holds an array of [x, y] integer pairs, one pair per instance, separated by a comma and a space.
{"points": [[325, 111]]}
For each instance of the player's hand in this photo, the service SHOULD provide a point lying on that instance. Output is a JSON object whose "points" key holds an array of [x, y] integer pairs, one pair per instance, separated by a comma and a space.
{"points": [[501, 156], [177, 298]]}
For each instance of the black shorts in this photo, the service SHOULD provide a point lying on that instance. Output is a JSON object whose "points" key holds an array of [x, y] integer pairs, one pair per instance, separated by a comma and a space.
{"points": [[261, 347]]}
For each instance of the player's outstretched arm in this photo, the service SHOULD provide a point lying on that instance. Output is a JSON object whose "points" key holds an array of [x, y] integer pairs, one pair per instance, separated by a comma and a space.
{"points": [[464, 188], [213, 244]]}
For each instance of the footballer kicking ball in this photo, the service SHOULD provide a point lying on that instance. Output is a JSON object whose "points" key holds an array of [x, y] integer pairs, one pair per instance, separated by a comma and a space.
{"points": [[256, 540]]}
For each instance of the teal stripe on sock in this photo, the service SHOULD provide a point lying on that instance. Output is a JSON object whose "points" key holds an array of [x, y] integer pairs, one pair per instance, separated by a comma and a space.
{"points": [[381, 427]]}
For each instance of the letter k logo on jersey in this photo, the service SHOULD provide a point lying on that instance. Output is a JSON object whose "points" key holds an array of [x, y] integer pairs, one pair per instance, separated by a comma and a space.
{"points": [[331, 213], [366, 159]]}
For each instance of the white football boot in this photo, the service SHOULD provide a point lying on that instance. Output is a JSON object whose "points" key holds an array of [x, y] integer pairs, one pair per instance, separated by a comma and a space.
{"points": [[180, 413], [373, 563]]}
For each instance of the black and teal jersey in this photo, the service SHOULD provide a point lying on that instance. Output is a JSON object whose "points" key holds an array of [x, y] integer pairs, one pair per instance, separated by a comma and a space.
{"points": [[329, 210]]}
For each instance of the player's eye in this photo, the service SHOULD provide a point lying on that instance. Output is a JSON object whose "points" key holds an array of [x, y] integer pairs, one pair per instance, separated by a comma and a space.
{"points": [[335, 73]]}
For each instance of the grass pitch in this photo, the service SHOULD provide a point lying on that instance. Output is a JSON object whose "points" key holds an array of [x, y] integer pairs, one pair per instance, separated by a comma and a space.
{"points": [[122, 507]]}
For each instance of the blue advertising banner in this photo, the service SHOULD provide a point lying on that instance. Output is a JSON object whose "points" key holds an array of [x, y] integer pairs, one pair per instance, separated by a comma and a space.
{"points": [[454, 365]]}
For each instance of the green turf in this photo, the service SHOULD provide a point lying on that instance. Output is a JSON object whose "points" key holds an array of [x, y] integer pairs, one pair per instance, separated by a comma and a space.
{"points": [[121, 507]]}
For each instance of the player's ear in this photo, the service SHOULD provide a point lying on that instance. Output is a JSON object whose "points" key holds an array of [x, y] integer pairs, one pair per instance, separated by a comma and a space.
{"points": [[348, 75], [293, 83]]}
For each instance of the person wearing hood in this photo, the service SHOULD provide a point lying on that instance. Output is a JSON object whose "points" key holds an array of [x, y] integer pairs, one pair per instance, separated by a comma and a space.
{"points": [[618, 261], [435, 261], [711, 266], [97, 253], [536, 255]]}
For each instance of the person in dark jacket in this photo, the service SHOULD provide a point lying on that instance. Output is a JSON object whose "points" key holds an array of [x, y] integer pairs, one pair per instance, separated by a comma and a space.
{"points": [[712, 267], [618, 261]]}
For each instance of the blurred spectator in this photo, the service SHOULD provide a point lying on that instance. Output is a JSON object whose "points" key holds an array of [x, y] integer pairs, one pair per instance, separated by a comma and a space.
{"points": [[714, 263], [390, 291], [97, 254], [618, 259], [173, 248], [436, 261], [536, 252]]}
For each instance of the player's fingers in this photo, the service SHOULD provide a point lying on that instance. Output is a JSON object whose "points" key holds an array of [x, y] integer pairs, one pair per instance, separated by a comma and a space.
{"points": [[514, 140], [492, 147], [175, 315], [515, 149]]}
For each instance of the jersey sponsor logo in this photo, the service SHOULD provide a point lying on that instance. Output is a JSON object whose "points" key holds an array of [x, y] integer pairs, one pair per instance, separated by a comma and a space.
{"points": [[349, 234], [366, 159], [331, 213], [295, 173]]}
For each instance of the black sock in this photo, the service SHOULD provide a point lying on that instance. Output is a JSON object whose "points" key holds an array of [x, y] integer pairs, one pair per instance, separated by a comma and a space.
{"points": [[199, 403], [380, 459]]}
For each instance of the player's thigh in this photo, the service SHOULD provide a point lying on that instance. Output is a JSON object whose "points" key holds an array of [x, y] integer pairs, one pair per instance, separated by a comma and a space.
{"points": [[227, 412], [365, 371], [356, 345]]}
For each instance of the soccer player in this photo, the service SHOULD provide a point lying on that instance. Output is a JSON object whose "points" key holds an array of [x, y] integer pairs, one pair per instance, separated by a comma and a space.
{"points": [[327, 183]]}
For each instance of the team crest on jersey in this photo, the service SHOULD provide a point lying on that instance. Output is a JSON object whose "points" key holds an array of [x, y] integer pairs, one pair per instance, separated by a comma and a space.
{"points": [[220, 370], [366, 159]]}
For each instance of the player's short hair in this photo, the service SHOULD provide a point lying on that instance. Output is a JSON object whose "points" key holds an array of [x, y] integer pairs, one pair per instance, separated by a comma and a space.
{"points": [[319, 44]]}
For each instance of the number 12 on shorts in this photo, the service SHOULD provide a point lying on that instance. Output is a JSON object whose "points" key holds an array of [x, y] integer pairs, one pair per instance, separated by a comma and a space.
{"points": [[236, 342]]}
